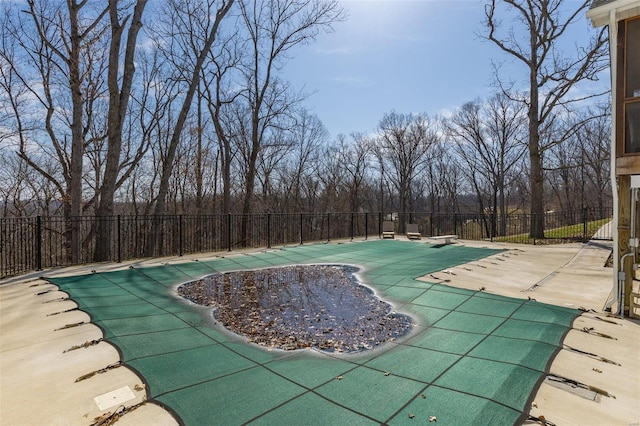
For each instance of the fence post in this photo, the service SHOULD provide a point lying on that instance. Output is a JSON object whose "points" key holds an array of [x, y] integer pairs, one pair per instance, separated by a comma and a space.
{"points": [[39, 243], [328, 227], [366, 225], [455, 224], [268, 230], [380, 217], [119, 249], [351, 226], [584, 221], [431, 224], [493, 225], [228, 231], [300, 228], [180, 235]]}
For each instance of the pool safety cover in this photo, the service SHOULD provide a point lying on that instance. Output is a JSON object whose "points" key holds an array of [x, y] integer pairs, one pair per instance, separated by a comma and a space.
{"points": [[472, 358]]}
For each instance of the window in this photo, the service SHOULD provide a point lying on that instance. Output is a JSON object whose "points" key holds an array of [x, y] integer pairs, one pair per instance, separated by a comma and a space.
{"points": [[632, 128], [632, 59], [631, 100]]}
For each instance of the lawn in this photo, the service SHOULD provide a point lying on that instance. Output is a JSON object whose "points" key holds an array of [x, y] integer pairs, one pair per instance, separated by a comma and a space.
{"points": [[572, 232]]}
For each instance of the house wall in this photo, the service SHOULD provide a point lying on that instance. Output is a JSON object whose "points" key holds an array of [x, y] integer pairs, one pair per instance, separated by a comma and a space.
{"points": [[624, 164]]}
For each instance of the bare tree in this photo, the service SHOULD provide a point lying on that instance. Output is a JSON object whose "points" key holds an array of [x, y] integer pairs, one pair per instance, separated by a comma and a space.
{"points": [[563, 173], [355, 159], [488, 138], [307, 135], [204, 170], [446, 174], [332, 178], [274, 28], [187, 42], [119, 79], [595, 136], [147, 126], [15, 197], [579, 168], [533, 40], [442, 180], [275, 173], [56, 56], [405, 143]]}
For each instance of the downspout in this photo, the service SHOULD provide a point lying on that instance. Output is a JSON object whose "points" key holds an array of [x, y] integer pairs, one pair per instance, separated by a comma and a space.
{"points": [[622, 277], [613, 55]]}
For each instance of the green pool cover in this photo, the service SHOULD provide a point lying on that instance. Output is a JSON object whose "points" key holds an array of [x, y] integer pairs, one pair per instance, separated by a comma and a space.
{"points": [[472, 358]]}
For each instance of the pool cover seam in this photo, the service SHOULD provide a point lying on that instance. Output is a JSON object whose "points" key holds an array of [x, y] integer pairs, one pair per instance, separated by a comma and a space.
{"points": [[307, 389], [121, 355], [312, 390], [456, 362], [417, 380], [257, 364], [461, 356], [428, 384], [479, 334]]}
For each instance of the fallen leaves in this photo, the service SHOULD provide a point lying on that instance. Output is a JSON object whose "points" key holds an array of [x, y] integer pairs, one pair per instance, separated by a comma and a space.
{"points": [[298, 307], [83, 345], [100, 371]]}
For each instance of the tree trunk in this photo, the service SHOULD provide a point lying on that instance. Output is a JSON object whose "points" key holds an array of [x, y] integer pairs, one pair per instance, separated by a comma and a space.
{"points": [[502, 228], [77, 139], [118, 102], [199, 173], [536, 183], [167, 166], [250, 178]]}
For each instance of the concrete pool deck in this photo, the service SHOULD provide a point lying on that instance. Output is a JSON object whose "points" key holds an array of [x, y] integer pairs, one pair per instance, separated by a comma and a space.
{"points": [[39, 367]]}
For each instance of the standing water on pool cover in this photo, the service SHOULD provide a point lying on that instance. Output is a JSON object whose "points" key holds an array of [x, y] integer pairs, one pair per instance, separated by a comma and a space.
{"points": [[295, 307]]}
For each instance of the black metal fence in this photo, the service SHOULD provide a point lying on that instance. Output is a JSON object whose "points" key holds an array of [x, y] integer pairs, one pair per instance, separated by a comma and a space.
{"points": [[35, 243], [571, 226]]}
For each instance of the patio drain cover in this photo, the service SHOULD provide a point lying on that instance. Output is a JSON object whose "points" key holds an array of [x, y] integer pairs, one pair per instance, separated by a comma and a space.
{"points": [[113, 398]]}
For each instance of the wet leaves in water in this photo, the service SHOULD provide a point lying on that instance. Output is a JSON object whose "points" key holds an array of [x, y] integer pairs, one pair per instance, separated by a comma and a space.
{"points": [[296, 307]]}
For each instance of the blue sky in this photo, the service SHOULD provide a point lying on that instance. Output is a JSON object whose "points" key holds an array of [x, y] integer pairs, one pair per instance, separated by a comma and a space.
{"points": [[405, 55]]}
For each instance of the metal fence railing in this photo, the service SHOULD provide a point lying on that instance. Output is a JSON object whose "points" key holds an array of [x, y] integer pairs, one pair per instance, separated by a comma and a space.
{"points": [[35, 243], [579, 225]]}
